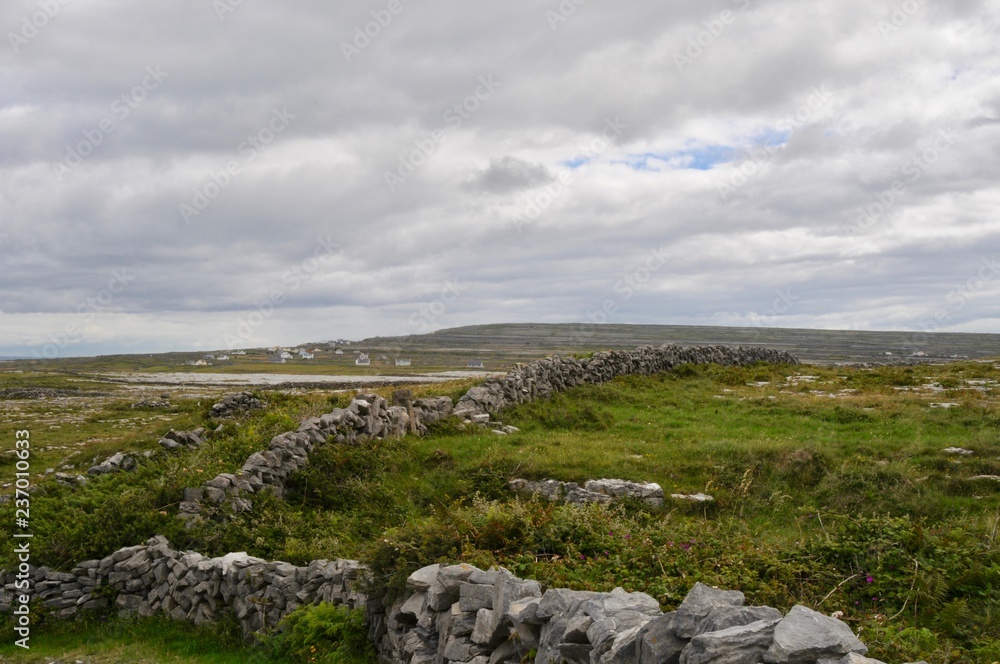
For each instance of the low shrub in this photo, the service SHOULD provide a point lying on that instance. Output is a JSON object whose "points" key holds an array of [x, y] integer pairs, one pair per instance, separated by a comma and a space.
{"points": [[325, 634]]}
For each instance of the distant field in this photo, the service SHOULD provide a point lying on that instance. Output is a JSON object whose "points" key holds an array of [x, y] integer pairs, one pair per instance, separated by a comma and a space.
{"points": [[500, 346]]}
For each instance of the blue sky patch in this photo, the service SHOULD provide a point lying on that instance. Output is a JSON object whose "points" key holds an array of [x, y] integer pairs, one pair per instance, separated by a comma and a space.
{"points": [[702, 158]]}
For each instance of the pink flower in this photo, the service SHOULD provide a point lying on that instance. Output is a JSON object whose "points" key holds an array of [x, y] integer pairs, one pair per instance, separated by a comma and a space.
{"points": [[870, 579]]}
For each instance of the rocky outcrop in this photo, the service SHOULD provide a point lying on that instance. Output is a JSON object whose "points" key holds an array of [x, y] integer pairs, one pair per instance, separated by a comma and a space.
{"points": [[173, 440], [237, 404], [115, 463]]}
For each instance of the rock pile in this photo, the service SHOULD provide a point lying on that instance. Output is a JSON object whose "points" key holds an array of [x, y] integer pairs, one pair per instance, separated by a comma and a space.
{"points": [[236, 404], [173, 440], [117, 462], [162, 402], [592, 491], [69, 479]]}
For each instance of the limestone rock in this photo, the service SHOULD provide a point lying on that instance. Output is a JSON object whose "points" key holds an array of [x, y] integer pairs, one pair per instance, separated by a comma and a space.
{"points": [[698, 604], [805, 635], [734, 645], [657, 643]]}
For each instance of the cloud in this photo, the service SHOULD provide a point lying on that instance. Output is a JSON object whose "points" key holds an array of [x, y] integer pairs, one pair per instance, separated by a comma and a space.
{"points": [[768, 162], [508, 174]]}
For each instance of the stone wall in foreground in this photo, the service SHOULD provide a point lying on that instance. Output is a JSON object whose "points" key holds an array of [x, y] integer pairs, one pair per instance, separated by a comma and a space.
{"points": [[153, 578], [449, 613]]}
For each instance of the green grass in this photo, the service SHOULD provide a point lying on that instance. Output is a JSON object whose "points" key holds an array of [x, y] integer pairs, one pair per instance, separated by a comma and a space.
{"points": [[832, 491], [149, 641]]}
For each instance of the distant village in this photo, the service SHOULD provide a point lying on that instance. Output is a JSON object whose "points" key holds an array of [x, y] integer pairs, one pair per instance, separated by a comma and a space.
{"points": [[283, 355]]}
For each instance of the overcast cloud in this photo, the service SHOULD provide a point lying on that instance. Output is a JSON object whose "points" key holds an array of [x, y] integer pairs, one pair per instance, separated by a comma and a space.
{"points": [[200, 174]]}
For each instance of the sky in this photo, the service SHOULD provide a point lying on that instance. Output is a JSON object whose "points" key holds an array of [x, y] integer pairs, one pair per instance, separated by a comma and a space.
{"points": [[237, 173]]}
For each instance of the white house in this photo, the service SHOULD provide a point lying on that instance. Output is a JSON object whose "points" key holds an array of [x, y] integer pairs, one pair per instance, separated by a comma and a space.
{"points": [[307, 356], [363, 360], [239, 352], [222, 357], [338, 352], [400, 362], [285, 355], [475, 364]]}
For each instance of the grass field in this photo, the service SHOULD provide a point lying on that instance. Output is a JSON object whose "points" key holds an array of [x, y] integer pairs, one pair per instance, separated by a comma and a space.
{"points": [[831, 489]]}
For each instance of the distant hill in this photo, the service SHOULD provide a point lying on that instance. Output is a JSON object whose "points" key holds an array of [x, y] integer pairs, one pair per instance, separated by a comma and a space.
{"points": [[498, 346], [517, 341]]}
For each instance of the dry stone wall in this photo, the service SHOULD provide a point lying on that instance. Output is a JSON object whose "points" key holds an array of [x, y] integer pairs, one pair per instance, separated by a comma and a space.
{"points": [[152, 578], [553, 374], [370, 416], [449, 614]]}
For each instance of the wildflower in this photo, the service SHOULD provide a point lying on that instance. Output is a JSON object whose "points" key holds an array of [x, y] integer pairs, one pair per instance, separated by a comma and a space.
{"points": [[583, 557], [870, 579]]}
